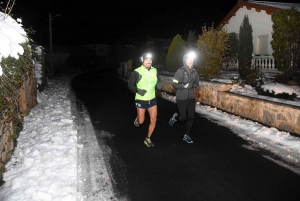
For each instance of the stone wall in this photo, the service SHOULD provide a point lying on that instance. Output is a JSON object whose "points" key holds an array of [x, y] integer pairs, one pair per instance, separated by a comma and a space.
{"points": [[28, 94], [6, 144], [8, 131], [215, 94]]}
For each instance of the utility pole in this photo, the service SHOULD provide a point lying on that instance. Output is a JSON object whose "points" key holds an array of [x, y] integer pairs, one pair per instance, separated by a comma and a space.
{"points": [[51, 50]]}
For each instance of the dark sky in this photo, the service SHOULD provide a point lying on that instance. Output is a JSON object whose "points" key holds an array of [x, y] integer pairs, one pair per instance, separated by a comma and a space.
{"points": [[103, 21]]}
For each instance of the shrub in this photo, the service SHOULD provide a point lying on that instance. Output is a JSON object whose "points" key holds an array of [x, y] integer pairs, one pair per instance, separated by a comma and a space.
{"points": [[283, 95], [175, 54], [212, 45]]}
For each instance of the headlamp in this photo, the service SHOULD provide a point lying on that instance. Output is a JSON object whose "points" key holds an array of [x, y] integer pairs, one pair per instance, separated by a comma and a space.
{"points": [[146, 56], [191, 55]]}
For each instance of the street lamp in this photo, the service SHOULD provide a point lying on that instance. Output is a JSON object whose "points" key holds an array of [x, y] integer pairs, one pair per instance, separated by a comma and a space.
{"points": [[51, 49]]}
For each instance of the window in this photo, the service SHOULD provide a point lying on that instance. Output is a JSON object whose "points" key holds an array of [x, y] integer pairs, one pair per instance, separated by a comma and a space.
{"points": [[263, 44]]}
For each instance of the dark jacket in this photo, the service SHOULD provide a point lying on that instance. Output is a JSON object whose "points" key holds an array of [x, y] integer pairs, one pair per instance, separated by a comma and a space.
{"points": [[183, 76]]}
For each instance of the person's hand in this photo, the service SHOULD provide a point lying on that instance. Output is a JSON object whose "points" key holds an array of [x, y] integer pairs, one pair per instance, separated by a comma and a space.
{"points": [[198, 88], [141, 92], [158, 86], [186, 86]]}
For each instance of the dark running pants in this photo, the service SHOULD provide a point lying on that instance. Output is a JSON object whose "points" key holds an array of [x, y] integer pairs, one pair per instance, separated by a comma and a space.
{"points": [[186, 110]]}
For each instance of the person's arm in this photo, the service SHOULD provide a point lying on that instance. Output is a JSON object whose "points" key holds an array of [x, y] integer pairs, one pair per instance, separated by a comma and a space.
{"points": [[132, 81], [177, 80], [158, 84], [196, 83], [135, 77]]}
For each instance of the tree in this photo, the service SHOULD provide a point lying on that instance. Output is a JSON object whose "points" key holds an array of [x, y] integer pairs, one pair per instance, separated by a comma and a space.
{"points": [[245, 48], [233, 45], [232, 52], [8, 7], [286, 41], [192, 40], [212, 45], [175, 53]]}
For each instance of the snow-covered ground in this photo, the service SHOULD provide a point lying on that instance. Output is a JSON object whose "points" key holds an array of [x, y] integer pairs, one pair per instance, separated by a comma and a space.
{"points": [[45, 165]]}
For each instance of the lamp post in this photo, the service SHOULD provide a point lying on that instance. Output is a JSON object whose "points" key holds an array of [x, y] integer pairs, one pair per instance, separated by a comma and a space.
{"points": [[51, 48]]}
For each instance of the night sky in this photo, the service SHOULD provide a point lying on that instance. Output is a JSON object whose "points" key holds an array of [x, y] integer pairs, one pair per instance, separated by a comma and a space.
{"points": [[104, 21]]}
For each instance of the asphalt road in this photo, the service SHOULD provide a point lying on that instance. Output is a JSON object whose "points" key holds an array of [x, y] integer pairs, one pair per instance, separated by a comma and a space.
{"points": [[216, 167]]}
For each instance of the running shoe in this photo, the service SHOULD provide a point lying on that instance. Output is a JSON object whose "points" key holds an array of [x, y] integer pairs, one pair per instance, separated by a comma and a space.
{"points": [[187, 138], [136, 122], [173, 120], [148, 142]]}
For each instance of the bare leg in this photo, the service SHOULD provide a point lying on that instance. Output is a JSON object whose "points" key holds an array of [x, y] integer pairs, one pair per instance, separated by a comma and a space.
{"points": [[153, 115], [141, 114]]}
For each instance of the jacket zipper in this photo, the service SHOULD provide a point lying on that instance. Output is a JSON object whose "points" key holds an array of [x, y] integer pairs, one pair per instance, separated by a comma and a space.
{"points": [[149, 84]]}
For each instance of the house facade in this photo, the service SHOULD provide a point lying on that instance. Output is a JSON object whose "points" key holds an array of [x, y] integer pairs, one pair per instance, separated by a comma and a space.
{"points": [[103, 53], [60, 54], [259, 14]]}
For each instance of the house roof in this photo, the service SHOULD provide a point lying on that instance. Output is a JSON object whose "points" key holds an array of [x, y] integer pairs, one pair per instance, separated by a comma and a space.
{"points": [[276, 4], [269, 7]]}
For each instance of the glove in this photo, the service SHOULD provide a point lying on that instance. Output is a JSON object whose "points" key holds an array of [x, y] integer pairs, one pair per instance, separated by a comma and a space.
{"points": [[158, 86], [198, 88], [141, 91], [187, 86]]}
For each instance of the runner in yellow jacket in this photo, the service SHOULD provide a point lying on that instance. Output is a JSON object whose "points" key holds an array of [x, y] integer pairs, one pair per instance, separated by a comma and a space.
{"points": [[143, 82]]}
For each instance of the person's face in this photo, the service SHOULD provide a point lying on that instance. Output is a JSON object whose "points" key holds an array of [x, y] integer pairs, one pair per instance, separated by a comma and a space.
{"points": [[147, 63], [189, 62]]}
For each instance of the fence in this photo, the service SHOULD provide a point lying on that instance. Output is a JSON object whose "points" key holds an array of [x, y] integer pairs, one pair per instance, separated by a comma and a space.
{"points": [[125, 68]]}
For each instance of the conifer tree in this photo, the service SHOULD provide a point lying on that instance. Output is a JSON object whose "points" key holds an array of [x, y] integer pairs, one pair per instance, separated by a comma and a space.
{"points": [[233, 44], [245, 48], [232, 52], [175, 54], [286, 41]]}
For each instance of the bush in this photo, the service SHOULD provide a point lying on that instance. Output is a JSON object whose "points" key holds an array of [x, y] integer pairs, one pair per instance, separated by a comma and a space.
{"points": [[283, 95], [212, 45], [175, 54]]}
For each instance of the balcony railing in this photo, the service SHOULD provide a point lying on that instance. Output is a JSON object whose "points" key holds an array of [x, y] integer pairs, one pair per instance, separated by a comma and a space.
{"points": [[263, 62], [259, 62]]}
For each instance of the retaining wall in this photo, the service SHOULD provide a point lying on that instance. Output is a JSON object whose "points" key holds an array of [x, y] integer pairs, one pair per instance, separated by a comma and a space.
{"points": [[282, 116]]}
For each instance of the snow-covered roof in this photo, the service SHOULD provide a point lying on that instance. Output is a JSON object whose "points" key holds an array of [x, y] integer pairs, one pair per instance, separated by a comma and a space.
{"points": [[277, 4], [269, 7]]}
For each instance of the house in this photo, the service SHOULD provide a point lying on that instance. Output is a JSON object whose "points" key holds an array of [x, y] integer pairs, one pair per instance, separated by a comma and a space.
{"points": [[103, 53], [259, 14], [60, 54], [160, 47], [132, 51]]}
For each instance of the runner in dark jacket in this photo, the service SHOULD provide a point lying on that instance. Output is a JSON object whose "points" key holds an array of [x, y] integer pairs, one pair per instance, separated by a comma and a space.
{"points": [[185, 80]]}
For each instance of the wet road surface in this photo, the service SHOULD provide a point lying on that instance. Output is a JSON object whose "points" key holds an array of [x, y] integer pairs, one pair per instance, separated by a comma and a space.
{"points": [[215, 167]]}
